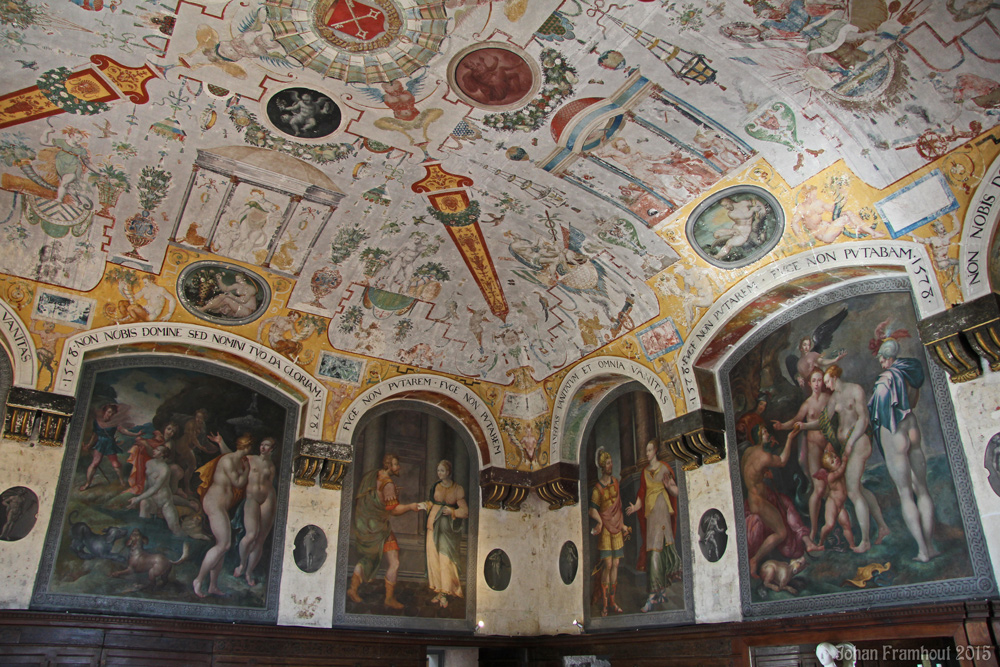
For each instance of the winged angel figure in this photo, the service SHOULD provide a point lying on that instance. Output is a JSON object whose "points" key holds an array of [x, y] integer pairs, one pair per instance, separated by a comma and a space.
{"points": [[402, 100], [253, 39], [812, 348]]}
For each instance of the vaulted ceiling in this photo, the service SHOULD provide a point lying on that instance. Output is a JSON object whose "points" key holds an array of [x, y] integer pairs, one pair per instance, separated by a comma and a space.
{"points": [[466, 187]]}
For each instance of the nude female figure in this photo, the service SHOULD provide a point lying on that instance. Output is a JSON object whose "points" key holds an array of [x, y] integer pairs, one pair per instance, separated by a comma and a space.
{"points": [[848, 402]]}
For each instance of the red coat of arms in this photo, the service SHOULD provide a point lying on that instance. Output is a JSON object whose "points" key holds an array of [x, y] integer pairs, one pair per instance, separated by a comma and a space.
{"points": [[356, 19]]}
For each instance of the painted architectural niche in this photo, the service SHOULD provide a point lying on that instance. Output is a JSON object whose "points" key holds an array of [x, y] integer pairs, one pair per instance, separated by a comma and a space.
{"points": [[159, 444], [637, 564], [845, 463], [255, 206], [407, 540]]}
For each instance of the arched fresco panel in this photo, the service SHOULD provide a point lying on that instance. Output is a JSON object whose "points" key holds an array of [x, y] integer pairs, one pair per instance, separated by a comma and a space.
{"points": [[407, 548], [910, 256], [845, 461], [158, 444], [633, 500]]}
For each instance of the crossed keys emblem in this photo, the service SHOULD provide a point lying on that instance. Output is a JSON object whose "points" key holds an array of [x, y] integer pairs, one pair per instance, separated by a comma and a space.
{"points": [[345, 17]]}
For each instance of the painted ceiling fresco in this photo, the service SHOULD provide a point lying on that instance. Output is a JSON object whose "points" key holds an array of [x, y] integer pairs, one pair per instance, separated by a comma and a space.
{"points": [[465, 186]]}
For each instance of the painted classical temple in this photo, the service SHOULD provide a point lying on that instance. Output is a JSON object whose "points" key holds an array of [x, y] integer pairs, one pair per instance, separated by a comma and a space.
{"points": [[548, 332]]}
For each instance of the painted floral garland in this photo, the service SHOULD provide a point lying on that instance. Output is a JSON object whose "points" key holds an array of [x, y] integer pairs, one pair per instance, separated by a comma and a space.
{"points": [[256, 134], [52, 85], [559, 79], [460, 219]]}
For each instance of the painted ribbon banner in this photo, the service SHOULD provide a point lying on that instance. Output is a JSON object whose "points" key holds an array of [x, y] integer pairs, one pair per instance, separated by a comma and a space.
{"points": [[76, 348], [21, 346], [981, 220], [598, 367], [868, 253], [435, 383]]}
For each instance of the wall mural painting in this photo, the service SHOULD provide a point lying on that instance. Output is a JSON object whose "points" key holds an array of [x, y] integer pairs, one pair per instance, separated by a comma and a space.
{"points": [[842, 468], [639, 566], [496, 570], [63, 308], [407, 541], [659, 338], [172, 494], [712, 536], [736, 226], [569, 562], [223, 293], [341, 368]]}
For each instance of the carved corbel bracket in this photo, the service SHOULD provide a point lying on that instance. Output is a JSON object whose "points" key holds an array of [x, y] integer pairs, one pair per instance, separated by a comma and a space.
{"points": [[329, 460], [30, 408], [957, 337], [983, 329], [697, 438], [558, 484], [503, 488]]}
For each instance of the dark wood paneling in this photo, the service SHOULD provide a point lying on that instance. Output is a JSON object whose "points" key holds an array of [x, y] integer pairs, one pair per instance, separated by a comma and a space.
{"points": [[63, 639]]}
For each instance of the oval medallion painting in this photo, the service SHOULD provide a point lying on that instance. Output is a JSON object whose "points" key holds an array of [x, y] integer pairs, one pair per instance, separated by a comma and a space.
{"points": [[310, 549], [494, 76], [303, 113], [223, 293], [18, 513], [736, 226]]}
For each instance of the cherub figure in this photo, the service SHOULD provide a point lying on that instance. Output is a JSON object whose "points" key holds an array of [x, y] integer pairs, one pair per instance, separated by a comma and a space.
{"points": [[403, 103], [832, 473], [825, 221]]}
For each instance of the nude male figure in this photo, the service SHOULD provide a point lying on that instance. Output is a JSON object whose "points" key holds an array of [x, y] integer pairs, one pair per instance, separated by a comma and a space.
{"points": [[14, 505], [848, 402], [158, 496], [898, 434], [231, 473], [258, 510], [810, 410], [757, 460]]}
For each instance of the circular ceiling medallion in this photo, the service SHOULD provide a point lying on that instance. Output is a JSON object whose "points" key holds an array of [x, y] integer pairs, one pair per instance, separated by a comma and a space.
{"points": [[494, 76], [359, 41], [736, 226], [303, 113]]}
